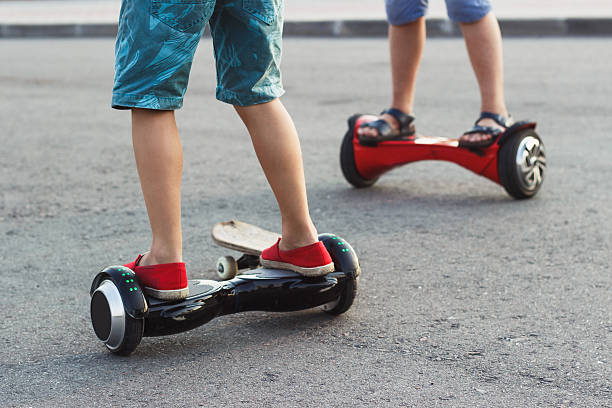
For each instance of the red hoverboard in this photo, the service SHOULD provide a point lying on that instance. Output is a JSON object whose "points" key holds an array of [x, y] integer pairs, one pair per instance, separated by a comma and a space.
{"points": [[517, 159]]}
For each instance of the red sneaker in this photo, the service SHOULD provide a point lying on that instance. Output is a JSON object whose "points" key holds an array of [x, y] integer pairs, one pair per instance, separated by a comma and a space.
{"points": [[310, 260], [163, 281]]}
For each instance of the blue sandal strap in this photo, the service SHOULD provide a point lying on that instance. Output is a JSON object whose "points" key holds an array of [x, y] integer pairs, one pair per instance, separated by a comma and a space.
{"points": [[499, 119], [404, 120], [502, 121], [384, 129], [488, 130]]}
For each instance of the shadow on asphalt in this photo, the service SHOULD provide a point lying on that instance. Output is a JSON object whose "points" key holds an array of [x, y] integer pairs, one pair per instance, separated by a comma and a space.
{"points": [[215, 337]]}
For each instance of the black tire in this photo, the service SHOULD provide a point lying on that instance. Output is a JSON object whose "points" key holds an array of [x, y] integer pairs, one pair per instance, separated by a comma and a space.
{"points": [[347, 159], [345, 259], [346, 299], [514, 180], [114, 326], [131, 339]]}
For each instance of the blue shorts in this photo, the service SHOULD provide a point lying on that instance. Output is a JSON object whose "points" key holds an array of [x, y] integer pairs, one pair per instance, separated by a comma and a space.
{"points": [[461, 11], [158, 38]]}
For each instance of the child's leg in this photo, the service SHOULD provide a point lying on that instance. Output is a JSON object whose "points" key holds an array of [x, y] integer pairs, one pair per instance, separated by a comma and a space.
{"points": [[159, 158], [484, 45], [247, 38], [406, 43], [277, 147], [154, 52], [247, 41]]}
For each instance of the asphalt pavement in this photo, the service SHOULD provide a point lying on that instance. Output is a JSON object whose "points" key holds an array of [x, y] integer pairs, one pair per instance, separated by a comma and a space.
{"points": [[467, 297]]}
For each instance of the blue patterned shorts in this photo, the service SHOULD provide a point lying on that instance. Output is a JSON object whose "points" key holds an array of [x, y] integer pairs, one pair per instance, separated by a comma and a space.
{"points": [[158, 38]]}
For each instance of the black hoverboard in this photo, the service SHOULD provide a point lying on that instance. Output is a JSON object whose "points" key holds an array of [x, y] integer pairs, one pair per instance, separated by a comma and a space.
{"points": [[122, 314]]}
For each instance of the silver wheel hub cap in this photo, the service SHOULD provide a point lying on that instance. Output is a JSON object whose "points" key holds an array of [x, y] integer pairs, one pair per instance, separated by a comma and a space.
{"points": [[117, 312], [531, 162]]}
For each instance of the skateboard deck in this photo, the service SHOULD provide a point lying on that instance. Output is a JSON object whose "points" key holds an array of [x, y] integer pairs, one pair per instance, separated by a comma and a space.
{"points": [[243, 237]]}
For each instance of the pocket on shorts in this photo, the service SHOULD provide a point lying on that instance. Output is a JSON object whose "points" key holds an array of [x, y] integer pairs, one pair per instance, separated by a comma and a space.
{"points": [[265, 10], [183, 15]]}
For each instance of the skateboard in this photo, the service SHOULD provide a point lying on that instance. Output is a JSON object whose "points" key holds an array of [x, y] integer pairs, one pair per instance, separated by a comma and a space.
{"points": [[246, 238]]}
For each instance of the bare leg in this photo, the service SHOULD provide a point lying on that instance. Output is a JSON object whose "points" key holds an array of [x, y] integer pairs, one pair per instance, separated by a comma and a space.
{"points": [[277, 147], [159, 158], [484, 45], [406, 43]]}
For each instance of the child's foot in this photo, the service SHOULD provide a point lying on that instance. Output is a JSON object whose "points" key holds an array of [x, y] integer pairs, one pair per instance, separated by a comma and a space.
{"points": [[309, 260], [393, 124], [486, 130], [163, 281]]}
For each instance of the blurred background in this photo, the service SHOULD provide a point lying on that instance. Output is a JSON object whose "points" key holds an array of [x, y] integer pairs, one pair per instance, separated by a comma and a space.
{"points": [[544, 17]]}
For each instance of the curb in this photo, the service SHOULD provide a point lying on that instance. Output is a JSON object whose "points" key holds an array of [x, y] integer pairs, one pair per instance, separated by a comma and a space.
{"points": [[589, 27]]}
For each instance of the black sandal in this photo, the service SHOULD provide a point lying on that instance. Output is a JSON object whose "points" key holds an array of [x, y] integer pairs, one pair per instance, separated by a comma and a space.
{"points": [[385, 131], [487, 130]]}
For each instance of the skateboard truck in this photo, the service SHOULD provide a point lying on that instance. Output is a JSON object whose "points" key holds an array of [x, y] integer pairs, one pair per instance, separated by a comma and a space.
{"points": [[248, 239], [517, 160], [121, 314]]}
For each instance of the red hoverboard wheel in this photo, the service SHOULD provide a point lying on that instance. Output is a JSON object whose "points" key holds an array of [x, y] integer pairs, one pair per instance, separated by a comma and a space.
{"points": [[347, 158]]}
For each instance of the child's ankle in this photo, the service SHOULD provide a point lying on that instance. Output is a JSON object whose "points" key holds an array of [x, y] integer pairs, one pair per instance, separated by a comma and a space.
{"points": [[155, 258], [292, 239]]}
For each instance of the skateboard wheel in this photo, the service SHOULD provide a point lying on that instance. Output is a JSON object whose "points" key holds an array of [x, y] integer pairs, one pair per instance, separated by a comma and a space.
{"points": [[227, 268], [522, 164]]}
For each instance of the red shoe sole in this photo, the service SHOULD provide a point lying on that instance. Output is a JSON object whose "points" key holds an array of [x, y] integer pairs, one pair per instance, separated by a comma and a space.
{"points": [[311, 272]]}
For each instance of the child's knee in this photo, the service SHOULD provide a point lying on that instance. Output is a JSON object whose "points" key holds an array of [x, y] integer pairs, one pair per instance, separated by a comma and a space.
{"points": [[467, 11], [255, 105], [401, 12]]}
